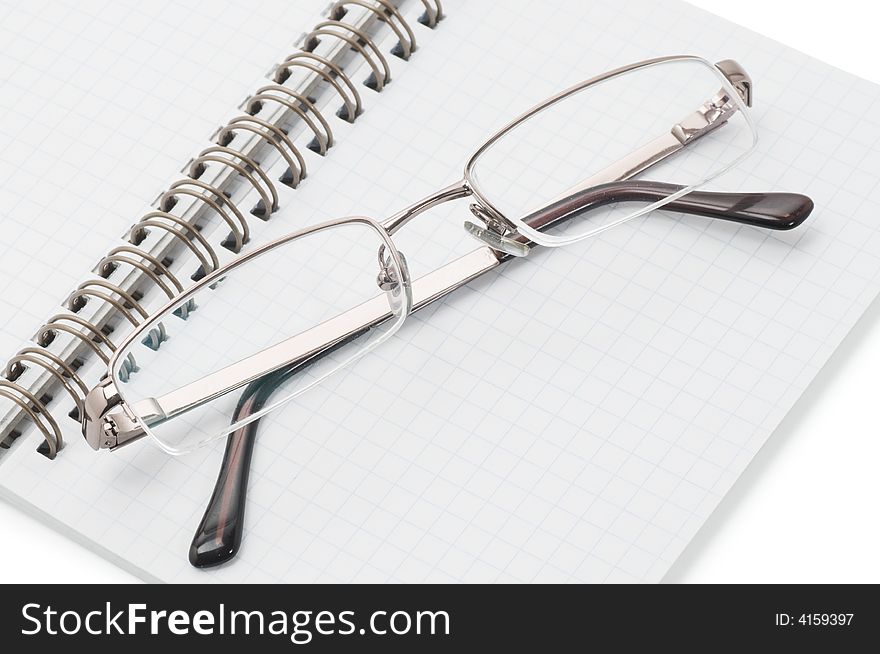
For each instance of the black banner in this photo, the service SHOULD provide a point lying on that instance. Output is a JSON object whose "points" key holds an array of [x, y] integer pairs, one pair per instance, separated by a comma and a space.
{"points": [[438, 618]]}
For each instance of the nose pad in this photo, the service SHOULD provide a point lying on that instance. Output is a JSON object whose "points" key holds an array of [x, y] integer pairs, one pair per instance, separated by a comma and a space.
{"points": [[496, 241], [389, 277], [493, 234], [398, 290]]}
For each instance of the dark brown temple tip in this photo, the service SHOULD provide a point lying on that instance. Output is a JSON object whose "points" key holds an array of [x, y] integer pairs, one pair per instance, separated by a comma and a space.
{"points": [[218, 537], [780, 211]]}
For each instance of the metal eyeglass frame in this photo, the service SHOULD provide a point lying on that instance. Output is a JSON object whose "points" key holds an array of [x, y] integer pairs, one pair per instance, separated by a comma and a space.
{"points": [[109, 422]]}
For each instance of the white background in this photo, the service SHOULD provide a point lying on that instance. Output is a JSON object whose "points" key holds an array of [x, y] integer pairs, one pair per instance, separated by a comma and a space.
{"points": [[806, 509]]}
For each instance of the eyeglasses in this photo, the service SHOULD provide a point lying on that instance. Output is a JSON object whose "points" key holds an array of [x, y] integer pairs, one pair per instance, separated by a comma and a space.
{"points": [[285, 317]]}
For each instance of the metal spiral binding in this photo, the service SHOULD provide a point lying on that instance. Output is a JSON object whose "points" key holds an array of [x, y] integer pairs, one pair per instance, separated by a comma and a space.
{"points": [[117, 256], [181, 230], [58, 323], [378, 78], [216, 200], [433, 13], [97, 288], [387, 13], [93, 337], [352, 105], [35, 409], [148, 269], [275, 137], [323, 138]]}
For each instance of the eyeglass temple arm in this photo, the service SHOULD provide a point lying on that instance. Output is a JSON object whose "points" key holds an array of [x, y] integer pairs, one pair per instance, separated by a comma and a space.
{"points": [[218, 536], [219, 533], [779, 211]]}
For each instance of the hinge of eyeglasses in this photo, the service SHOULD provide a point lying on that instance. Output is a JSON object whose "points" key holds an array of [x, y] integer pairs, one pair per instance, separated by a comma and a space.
{"points": [[107, 422], [712, 115], [496, 233], [738, 78], [718, 109]]}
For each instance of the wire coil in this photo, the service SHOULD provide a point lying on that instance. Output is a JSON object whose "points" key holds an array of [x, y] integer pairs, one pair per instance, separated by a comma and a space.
{"points": [[156, 272]]}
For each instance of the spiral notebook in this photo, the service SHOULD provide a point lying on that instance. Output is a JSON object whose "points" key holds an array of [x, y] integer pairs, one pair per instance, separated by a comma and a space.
{"points": [[658, 357]]}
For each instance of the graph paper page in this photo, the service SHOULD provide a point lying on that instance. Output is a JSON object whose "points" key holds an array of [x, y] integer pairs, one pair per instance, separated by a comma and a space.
{"points": [[102, 104], [574, 416]]}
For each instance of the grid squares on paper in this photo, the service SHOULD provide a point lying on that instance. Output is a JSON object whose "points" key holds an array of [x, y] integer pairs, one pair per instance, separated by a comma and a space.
{"points": [[575, 416], [102, 103]]}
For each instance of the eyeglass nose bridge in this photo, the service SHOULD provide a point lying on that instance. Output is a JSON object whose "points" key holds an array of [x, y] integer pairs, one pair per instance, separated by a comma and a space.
{"points": [[498, 230]]}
